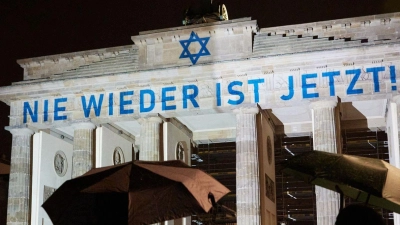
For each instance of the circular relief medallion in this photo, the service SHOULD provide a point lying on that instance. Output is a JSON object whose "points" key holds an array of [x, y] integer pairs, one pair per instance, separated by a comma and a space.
{"points": [[60, 163], [269, 149], [118, 156], [180, 150]]}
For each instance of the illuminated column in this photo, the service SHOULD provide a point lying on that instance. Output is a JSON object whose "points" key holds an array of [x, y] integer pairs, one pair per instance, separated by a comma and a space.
{"points": [[18, 207], [392, 130], [82, 155], [150, 138], [247, 168], [324, 138]]}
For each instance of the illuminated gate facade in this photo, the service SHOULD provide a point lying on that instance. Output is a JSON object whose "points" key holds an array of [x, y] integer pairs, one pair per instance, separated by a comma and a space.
{"points": [[174, 90]]}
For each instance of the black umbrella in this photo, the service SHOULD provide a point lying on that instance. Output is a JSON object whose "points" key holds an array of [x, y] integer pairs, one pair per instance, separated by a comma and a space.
{"points": [[372, 181], [134, 193]]}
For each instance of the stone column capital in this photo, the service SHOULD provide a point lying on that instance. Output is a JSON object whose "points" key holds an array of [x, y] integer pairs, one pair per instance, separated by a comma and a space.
{"points": [[246, 109], [150, 137], [151, 119], [17, 131], [396, 99], [78, 125], [323, 104]]}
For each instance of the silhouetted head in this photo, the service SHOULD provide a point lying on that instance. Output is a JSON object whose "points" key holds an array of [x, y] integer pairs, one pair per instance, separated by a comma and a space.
{"points": [[358, 215]]}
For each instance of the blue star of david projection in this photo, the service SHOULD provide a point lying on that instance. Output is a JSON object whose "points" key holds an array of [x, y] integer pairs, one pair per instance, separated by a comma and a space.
{"points": [[203, 50]]}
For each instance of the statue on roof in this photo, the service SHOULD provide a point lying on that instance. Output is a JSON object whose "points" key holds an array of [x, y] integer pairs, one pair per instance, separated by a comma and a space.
{"points": [[204, 11]]}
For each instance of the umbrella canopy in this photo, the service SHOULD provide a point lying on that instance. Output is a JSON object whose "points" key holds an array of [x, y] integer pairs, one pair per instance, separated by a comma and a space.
{"points": [[372, 181], [4, 168], [134, 193]]}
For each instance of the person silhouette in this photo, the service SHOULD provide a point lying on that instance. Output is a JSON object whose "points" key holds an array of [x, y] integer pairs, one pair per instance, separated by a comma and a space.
{"points": [[358, 215]]}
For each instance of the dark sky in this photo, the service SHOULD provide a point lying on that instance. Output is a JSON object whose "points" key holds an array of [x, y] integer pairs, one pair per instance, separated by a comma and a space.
{"points": [[32, 28]]}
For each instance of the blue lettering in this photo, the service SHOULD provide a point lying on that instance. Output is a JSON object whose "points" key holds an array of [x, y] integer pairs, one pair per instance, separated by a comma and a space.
{"points": [[235, 92], [331, 76], [58, 109], [92, 103], [291, 90], [111, 104], [33, 114], [393, 77], [152, 100], [123, 103], [46, 110], [218, 93], [190, 97], [256, 82], [375, 73], [350, 89], [165, 98], [305, 85]]}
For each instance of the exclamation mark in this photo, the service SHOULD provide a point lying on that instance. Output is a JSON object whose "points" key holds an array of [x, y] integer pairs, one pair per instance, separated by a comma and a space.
{"points": [[393, 78]]}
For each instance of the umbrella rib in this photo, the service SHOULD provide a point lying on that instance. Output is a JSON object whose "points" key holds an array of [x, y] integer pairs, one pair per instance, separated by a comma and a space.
{"points": [[341, 197], [369, 195], [358, 195]]}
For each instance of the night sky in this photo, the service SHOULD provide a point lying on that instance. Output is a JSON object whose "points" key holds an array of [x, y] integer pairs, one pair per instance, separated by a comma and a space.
{"points": [[32, 28]]}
